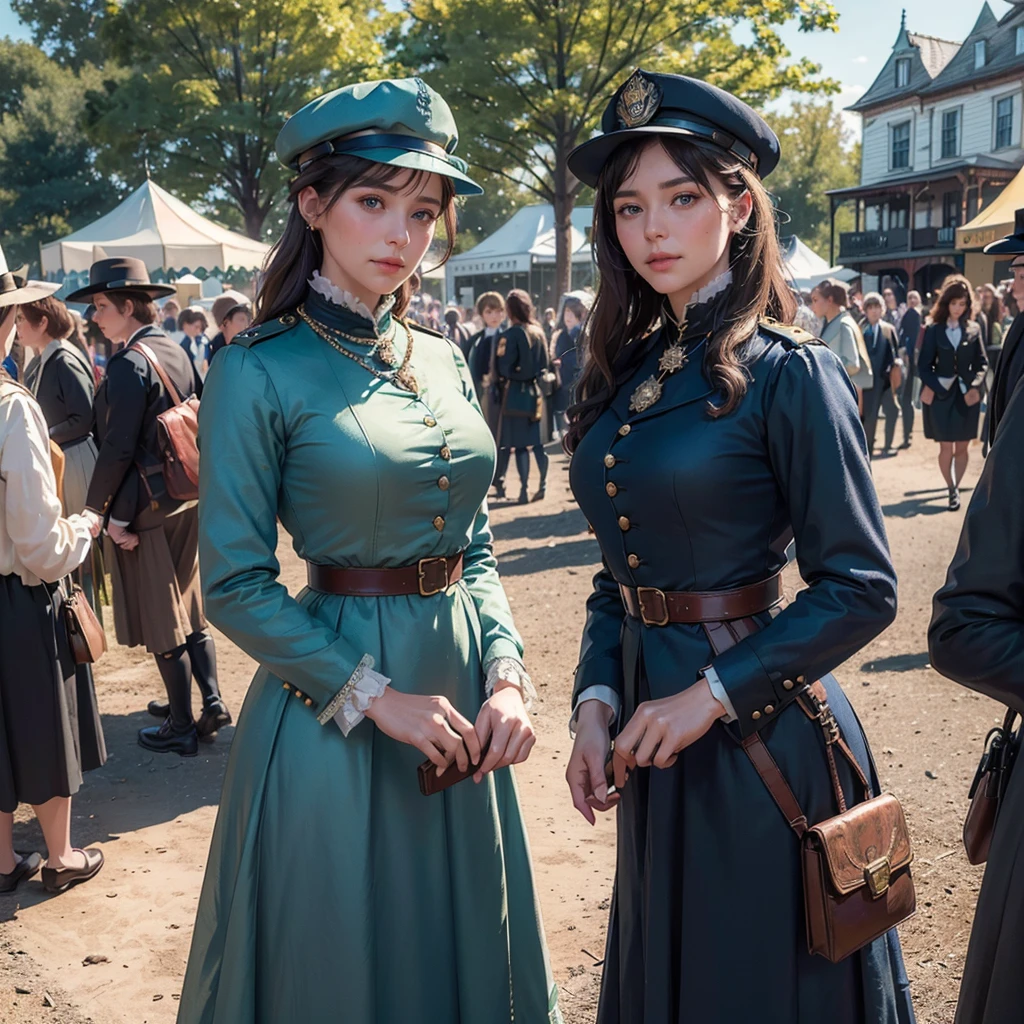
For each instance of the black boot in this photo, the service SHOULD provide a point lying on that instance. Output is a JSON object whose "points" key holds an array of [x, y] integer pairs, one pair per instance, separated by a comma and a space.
{"points": [[203, 656], [500, 471], [158, 709], [523, 469], [178, 732], [542, 465], [169, 739]]}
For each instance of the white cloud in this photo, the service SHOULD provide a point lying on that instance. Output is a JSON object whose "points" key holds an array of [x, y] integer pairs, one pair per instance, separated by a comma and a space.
{"points": [[860, 60]]}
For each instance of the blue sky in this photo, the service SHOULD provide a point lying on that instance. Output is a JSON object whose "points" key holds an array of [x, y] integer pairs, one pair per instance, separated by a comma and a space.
{"points": [[853, 56]]}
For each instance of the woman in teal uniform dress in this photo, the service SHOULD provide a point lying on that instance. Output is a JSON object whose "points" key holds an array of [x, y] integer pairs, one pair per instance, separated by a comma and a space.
{"points": [[705, 439], [335, 890]]}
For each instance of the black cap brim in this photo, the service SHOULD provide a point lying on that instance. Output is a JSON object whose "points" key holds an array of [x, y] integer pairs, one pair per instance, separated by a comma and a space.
{"points": [[154, 291], [1011, 245]]}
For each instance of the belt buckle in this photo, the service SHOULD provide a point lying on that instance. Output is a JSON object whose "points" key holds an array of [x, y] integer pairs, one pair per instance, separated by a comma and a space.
{"points": [[657, 595], [425, 567]]}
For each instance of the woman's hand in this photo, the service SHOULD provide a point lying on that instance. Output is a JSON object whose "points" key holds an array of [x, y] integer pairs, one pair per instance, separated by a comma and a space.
{"points": [[973, 396], [430, 724], [504, 723], [927, 395], [95, 522], [122, 538], [585, 772], [660, 729]]}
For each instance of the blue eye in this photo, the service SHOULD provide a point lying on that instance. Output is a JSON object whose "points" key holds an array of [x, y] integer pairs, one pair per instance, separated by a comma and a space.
{"points": [[628, 209], [424, 215], [368, 200], [688, 196]]}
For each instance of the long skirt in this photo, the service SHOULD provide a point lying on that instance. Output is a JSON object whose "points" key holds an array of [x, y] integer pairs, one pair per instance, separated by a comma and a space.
{"points": [[707, 922], [990, 992], [50, 728], [334, 890], [951, 419], [157, 598], [519, 432]]}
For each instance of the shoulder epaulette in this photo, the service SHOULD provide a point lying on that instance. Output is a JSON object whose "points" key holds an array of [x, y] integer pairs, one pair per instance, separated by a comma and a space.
{"points": [[268, 329], [413, 325], [787, 333]]}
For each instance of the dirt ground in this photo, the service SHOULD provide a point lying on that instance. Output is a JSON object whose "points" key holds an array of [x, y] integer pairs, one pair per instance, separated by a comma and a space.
{"points": [[152, 815]]}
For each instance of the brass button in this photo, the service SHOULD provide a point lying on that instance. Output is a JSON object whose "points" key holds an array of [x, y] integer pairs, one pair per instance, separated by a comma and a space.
{"points": [[429, 421], [286, 686], [633, 562], [444, 483], [624, 429], [288, 319], [298, 693], [623, 523], [609, 461], [787, 684], [309, 702], [611, 490], [756, 715], [446, 453], [439, 523], [801, 679], [769, 708]]}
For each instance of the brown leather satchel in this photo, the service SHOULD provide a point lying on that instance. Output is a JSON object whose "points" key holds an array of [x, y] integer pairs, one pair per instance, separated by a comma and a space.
{"points": [[177, 431], [85, 634], [856, 865], [988, 787]]}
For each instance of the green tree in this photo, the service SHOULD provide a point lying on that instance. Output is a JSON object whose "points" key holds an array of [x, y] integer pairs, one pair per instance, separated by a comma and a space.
{"points": [[818, 154], [529, 79], [49, 182], [67, 29]]}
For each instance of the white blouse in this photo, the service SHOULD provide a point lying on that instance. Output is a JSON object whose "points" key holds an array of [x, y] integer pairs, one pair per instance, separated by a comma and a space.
{"points": [[954, 334], [36, 541]]}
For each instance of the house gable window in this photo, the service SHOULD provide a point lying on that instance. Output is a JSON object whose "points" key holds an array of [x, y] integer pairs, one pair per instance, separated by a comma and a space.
{"points": [[902, 72], [1020, 40], [1004, 123], [979, 54], [950, 133], [899, 148]]}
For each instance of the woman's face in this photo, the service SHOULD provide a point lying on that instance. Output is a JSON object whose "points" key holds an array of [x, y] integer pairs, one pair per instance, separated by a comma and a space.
{"points": [[819, 306], [570, 318], [493, 315], [375, 236], [115, 325], [957, 308], [674, 234], [29, 335]]}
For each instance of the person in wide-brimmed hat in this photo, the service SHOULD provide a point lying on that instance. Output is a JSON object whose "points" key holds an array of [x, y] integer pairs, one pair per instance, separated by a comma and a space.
{"points": [[45, 734], [231, 313], [155, 572]]}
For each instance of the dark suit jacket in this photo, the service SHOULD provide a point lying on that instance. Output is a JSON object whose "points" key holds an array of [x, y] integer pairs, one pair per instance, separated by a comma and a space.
{"points": [[127, 404], [1010, 371], [910, 327], [881, 345], [939, 359], [65, 392]]}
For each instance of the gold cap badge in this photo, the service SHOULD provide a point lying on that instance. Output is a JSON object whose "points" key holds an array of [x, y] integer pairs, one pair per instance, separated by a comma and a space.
{"points": [[638, 101]]}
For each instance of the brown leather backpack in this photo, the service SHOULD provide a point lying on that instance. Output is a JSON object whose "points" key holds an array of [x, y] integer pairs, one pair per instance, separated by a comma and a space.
{"points": [[177, 432]]}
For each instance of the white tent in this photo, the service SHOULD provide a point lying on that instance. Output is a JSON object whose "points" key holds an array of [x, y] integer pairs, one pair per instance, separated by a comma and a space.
{"points": [[805, 268], [159, 229]]}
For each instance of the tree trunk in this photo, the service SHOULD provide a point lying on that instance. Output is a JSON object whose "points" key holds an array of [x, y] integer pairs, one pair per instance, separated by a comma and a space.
{"points": [[252, 209], [563, 204]]}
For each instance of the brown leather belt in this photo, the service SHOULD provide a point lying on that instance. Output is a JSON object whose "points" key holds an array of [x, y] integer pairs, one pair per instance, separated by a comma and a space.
{"points": [[427, 577], [657, 608]]}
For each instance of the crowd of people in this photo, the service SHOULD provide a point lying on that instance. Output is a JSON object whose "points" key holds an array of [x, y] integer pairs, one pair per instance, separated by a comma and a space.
{"points": [[706, 436]]}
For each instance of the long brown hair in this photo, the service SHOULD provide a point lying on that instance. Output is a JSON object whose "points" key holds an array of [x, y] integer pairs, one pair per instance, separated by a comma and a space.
{"points": [[956, 286], [626, 307], [58, 318], [522, 314], [298, 252]]}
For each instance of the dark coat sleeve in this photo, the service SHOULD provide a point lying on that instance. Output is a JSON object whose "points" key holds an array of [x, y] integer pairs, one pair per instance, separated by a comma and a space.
{"points": [[601, 649], [976, 636], [75, 386], [819, 457], [926, 363], [127, 392], [979, 364], [910, 326]]}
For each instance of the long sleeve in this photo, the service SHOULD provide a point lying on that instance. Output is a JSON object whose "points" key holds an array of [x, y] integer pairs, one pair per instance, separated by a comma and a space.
{"points": [[238, 501], [600, 661], [926, 362], [979, 365], [127, 390], [75, 386], [44, 543], [976, 636], [849, 350], [818, 455]]}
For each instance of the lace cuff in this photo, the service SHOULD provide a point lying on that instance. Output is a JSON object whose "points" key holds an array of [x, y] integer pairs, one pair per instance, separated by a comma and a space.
{"points": [[510, 670], [348, 706]]}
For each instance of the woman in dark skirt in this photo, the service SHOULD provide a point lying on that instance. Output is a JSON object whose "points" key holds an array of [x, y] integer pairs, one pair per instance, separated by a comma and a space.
{"points": [[520, 357], [705, 438], [43, 748], [952, 367]]}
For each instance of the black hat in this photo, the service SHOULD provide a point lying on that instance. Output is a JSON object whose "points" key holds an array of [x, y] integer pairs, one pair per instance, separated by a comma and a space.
{"points": [[1011, 244], [120, 273], [653, 104]]}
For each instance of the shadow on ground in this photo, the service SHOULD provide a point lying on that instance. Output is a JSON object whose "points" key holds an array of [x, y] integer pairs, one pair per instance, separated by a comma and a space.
{"points": [[897, 663]]}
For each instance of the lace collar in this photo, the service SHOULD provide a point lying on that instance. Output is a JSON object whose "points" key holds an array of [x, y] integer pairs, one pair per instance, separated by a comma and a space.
{"points": [[332, 293]]}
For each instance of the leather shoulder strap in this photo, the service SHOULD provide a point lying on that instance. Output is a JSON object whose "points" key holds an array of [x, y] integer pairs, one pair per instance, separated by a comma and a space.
{"points": [[771, 775], [151, 358]]}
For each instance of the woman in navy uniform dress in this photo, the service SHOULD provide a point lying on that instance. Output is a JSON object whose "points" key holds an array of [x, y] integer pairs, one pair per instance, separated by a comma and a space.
{"points": [[705, 438]]}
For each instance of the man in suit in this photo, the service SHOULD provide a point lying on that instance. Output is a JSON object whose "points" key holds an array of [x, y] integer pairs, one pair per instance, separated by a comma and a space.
{"points": [[909, 332], [1011, 362], [880, 339]]}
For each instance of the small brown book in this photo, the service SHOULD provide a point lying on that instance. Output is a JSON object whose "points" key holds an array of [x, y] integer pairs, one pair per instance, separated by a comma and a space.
{"points": [[431, 782]]}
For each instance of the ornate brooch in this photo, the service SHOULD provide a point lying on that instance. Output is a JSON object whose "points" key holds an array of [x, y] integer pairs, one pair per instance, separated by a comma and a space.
{"points": [[672, 360], [639, 100]]}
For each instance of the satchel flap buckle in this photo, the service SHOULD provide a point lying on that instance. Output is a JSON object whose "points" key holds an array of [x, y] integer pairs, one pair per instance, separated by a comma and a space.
{"points": [[433, 576], [653, 606], [877, 875]]}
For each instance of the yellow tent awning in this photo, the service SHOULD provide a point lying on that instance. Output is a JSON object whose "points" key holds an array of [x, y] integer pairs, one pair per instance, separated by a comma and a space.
{"points": [[996, 220]]}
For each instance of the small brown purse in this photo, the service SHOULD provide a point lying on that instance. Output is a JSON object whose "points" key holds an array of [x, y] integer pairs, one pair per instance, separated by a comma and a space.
{"points": [[988, 787], [85, 634]]}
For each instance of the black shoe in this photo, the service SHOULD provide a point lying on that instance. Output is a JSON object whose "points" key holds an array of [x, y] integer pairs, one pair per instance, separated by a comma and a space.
{"points": [[168, 739], [26, 867], [541, 494], [905, 445], [499, 490], [61, 879], [954, 499], [158, 710], [524, 497], [213, 718]]}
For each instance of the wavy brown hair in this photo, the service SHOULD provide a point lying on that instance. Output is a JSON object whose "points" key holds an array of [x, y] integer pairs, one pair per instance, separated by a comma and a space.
{"points": [[522, 314], [956, 286], [627, 308], [298, 252]]}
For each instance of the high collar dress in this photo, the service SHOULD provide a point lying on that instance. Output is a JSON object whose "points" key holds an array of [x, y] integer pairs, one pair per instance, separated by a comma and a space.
{"points": [[334, 890], [707, 921]]}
